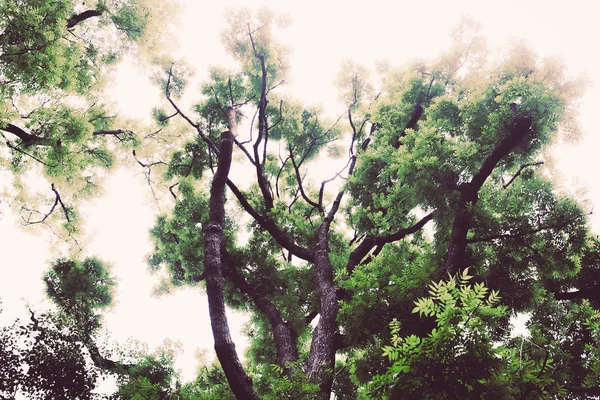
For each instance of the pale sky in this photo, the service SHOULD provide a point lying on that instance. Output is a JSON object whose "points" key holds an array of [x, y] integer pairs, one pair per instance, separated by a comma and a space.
{"points": [[322, 34]]}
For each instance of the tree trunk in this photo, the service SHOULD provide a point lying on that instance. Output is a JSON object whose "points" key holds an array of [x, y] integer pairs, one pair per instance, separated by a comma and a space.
{"points": [[238, 380], [323, 346]]}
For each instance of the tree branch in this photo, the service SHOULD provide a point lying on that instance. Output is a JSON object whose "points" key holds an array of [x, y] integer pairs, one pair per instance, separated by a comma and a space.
{"points": [[369, 242], [211, 145], [469, 193], [412, 123], [301, 186], [285, 339], [27, 139], [521, 170], [265, 222], [57, 201], [78, 18], [262, 130]]}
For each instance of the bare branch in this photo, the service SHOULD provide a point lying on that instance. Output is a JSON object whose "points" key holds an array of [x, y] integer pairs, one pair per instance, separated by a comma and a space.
{"points": [[57, 201], [280, 236], [301, 186], [369, 242], [171, 190], [279, 174], [205, 138], [337, 174], [251, 126], [262, 131], [17, 149], [521, 170]]}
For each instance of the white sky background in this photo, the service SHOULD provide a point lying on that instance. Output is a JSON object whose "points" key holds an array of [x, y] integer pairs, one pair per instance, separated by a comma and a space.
{"points": [[322, 34]]}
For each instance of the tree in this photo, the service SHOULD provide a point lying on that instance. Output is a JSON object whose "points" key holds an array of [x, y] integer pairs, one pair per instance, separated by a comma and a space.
{"points": [[441, 173], [455, 146], [54, 59]]}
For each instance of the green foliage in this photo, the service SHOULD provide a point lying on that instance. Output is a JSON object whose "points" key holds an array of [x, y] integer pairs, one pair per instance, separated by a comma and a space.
{"points": [[180, 243], [150, 378], [54, 58], [80, 289], [440, 365], [38, 52], [294, 387]]}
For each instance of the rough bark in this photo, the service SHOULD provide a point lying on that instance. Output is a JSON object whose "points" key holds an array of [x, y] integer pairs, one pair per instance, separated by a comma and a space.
{"points": [[321, 361], [469, 194], [238, 380], [78, 18], [322, 347]]}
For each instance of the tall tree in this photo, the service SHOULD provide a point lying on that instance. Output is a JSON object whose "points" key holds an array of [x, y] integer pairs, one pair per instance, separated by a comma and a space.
{"points": [[444, 171]]}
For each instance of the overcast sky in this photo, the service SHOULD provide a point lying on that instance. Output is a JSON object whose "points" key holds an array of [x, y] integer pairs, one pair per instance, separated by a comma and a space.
{"points": [[322, 34]]}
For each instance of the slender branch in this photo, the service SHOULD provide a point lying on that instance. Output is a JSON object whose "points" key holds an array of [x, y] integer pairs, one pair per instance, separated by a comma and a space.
{"points": [[15, 148], [171, 190], [521, 170], [262, 130], [279, 174], [212, 146], [280, 236], [251, 126], [369, 242], [246, 152], [466, 57], [57, 201], [117, 133], [301, 186], [62, 205], [280, 118], [285, 339], [337, 175]]}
